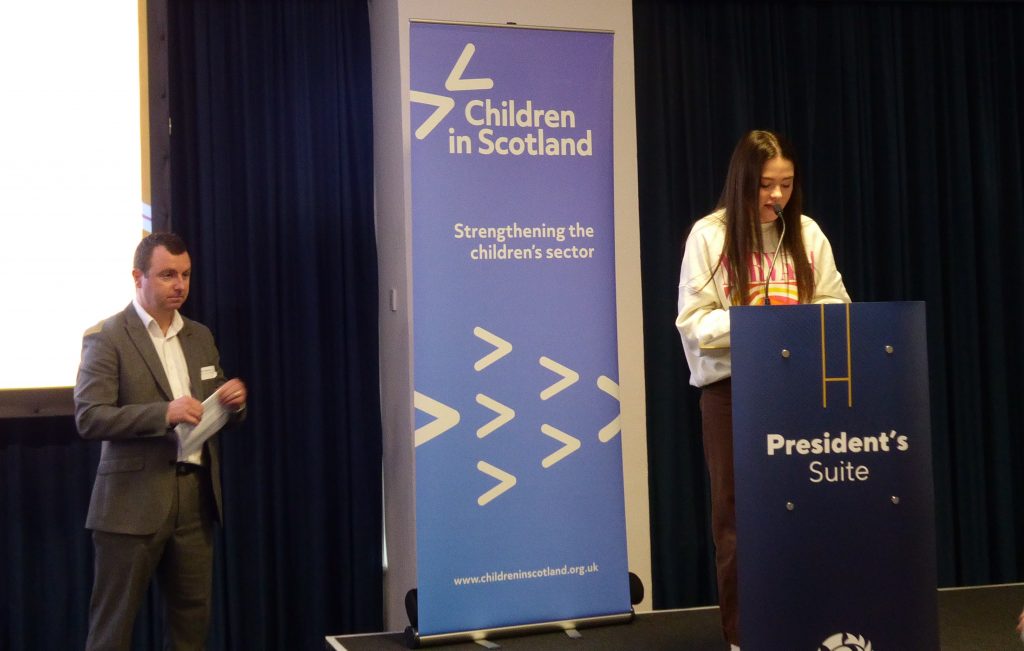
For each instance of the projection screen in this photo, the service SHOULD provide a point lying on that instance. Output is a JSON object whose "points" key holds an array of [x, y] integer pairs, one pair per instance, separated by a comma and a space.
{"points": [[72, 198]]}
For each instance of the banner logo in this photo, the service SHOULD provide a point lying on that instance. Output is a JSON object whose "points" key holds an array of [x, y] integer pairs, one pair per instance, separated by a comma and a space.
{"points": [[454, 82], [503, 127]]}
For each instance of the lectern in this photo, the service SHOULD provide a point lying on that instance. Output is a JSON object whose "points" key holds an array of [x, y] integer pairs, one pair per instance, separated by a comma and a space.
{"points": [[834, 497]]}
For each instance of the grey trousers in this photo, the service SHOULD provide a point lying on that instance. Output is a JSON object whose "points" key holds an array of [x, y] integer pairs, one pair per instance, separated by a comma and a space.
{"points": [[180, 554]]}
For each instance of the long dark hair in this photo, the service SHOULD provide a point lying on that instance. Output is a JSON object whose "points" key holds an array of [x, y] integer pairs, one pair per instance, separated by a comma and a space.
{"points": [[741, 201]]}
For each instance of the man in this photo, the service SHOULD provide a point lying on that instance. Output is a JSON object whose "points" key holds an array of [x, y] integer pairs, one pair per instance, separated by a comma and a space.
{"points": [[144, 371]]}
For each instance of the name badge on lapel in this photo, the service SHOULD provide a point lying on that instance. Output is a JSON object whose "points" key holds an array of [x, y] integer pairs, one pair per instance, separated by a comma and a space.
{"points": [[208, 372]]}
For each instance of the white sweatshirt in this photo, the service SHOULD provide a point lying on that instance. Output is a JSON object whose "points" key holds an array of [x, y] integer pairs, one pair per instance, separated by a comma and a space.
{"points": [[703, 320]]}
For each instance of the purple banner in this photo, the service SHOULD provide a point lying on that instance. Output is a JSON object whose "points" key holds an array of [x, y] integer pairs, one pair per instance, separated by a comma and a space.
{"points": [[519, 511]]}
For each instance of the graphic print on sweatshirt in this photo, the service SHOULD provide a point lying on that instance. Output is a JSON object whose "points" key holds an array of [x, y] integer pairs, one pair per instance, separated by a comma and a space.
{"points": [[782, 287]]}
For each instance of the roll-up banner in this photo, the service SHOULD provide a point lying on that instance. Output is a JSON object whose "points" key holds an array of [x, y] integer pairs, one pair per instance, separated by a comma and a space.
{"points": [[519, 497]]}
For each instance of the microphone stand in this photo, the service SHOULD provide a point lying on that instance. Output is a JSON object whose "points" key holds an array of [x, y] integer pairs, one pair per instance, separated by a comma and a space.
{"points": [[778, 247]]}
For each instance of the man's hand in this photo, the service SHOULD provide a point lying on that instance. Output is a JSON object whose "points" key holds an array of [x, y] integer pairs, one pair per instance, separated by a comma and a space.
{"points": [[232, 394], [185, 409]]}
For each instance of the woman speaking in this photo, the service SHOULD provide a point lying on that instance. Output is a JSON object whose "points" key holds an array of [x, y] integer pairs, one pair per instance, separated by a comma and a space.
{"points": [[757, 248]]}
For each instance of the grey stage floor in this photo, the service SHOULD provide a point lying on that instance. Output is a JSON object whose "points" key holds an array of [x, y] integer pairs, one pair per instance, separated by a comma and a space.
{"points": [[970, 619]]}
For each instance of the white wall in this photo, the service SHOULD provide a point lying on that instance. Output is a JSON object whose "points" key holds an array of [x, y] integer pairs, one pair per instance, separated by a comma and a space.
{"points": [[390, 46]]}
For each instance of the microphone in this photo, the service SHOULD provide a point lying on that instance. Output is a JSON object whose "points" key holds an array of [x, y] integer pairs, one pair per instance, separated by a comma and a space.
{"points": [[771, 268]]}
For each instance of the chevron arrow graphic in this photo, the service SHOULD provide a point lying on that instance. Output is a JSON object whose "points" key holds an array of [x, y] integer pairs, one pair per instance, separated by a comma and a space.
{"points": [[570, 445], [612, 429], [505, 481], [455, 80], [505, 414], [501, 348], [444, 106], [569, 377], [445, 418]]}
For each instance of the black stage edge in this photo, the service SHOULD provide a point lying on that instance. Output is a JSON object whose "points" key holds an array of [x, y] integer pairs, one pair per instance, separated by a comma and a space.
{"points": [[970, 619]]}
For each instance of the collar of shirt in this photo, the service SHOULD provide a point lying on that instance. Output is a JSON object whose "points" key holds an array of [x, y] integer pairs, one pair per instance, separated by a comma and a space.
{"points": [[177, 323]]}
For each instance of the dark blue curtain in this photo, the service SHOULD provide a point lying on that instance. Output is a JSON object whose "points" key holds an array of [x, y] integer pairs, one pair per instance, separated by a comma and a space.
{"points": [[46, 475], [273, 190], [908, 120], [272, 182]]}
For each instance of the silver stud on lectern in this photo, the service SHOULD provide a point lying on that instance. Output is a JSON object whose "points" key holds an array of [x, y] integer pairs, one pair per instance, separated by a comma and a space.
{"points": [[888, 349], [895, 499], [790, 506], [785, 353]]}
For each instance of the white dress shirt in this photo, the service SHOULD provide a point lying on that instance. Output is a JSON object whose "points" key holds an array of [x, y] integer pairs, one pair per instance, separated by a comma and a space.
{"points": [[172, 358]]}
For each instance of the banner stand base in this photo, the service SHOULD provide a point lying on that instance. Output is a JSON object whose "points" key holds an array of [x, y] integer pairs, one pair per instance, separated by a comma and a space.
{"points": [[414, 640]]}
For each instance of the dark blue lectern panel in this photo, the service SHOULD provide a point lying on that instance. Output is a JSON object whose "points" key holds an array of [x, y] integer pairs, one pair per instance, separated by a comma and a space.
{"points": [[835, 520]]}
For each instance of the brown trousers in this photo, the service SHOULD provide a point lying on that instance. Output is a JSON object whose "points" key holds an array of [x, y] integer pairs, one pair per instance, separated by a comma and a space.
{"points": [[716, 421]]}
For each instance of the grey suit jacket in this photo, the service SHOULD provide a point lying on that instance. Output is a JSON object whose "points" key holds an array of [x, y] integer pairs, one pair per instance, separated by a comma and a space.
{"points": [[121, 398]]}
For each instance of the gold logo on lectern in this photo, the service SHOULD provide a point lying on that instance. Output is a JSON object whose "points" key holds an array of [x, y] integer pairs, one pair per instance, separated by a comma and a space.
{"points": [[825, 378]]}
